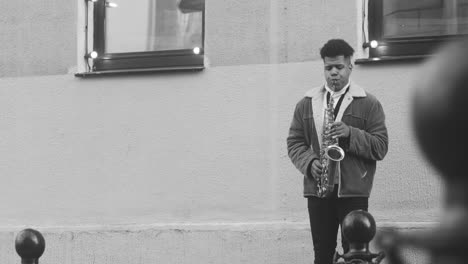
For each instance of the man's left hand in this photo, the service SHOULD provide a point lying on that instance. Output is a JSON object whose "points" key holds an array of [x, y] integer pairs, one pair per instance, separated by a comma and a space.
{"points": [[339, 130]]}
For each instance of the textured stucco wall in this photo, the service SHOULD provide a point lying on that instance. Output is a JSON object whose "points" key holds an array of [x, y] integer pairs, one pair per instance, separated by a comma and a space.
{"points": [[37, 37], [207, 146], [185, 167], [253, 32]]}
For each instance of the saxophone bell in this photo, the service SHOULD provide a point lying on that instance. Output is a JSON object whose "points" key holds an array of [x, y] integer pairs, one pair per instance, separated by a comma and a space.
{"points": [[334, 152]]}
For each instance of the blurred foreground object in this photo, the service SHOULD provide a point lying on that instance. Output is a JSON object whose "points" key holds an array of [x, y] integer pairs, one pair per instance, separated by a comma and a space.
{"points": [[439, 115], [30, 245], [359, 229]]}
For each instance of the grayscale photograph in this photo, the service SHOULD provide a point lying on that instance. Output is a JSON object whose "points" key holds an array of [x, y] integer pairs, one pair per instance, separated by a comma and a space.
{"points": [[233, 131]]}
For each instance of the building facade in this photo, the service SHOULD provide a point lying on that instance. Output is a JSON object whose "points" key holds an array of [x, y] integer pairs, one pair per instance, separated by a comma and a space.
{"points": [[192, 166]]}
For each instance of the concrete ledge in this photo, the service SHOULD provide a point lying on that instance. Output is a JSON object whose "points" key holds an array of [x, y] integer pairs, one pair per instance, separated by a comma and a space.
{"points": [[259, 242], [207, 226]]}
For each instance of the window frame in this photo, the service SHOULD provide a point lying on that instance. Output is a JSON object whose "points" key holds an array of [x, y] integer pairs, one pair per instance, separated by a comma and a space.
{"points": [[143, 61], [398, 48]]}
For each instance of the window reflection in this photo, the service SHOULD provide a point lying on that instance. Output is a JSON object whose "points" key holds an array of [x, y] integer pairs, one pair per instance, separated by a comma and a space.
{"points": [[404, 18], [151, 25]]}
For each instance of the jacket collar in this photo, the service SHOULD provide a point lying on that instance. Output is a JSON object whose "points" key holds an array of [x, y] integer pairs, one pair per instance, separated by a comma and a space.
{"points": [[354, 90]]}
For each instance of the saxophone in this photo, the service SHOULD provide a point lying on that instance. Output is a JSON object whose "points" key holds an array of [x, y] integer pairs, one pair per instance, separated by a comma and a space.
{"points": [[330, 154]]}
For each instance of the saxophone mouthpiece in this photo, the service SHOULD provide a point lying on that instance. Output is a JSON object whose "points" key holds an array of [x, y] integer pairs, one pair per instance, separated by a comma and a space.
{"points": [[334, 84]]}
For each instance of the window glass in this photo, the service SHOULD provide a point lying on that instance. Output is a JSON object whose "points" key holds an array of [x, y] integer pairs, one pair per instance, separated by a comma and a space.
{"points": [[407, 30], [151, 25], [127, 36], [403, 18]]}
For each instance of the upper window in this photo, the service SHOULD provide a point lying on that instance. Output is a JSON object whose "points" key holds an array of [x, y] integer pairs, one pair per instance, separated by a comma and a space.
{"points": [[143, 35], [407, 29]]}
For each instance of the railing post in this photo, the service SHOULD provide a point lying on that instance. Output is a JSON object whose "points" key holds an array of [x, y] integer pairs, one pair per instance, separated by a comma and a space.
{"points": [[358, 228], [30, 246]]}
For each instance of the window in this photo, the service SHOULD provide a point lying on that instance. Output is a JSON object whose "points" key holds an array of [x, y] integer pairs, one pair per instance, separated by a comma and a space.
{"points": [[401, 29], [143, 35]]}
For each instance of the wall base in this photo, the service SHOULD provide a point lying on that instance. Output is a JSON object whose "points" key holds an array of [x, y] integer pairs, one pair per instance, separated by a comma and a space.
{"points": [[272, 243]]}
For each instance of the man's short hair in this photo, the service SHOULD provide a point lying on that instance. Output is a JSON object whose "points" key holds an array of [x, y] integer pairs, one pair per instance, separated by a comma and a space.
{"points": [[336, 47]]}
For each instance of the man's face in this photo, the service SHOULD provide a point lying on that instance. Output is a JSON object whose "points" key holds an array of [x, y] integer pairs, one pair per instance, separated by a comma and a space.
{"points": [[337, 71]]}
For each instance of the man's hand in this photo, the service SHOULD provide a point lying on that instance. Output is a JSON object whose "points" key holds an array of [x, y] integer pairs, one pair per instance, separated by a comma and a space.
{"points": [[339, 130], [316, 168]]}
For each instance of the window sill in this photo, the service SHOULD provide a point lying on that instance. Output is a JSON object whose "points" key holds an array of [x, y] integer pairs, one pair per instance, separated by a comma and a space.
{"points": [[138, 71], [389, 59]]}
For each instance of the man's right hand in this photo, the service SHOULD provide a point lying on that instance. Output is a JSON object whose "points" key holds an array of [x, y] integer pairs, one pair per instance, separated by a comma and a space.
{"points": [[316, 168]]}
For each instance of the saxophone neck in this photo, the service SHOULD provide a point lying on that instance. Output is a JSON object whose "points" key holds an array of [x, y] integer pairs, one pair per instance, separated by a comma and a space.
{"points": [[331, 102], [330, 109]]}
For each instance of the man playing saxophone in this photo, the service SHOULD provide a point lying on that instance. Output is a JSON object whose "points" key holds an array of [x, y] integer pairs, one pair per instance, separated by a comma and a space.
{"points": [[356, 128]]}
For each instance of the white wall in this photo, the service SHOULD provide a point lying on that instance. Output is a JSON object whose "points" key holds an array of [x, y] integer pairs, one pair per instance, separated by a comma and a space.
{"points": [[37, 37], [123, 159], [179, 147]]}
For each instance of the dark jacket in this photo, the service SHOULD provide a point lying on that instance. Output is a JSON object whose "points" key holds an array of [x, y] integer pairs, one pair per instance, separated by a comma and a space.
{"points": [[368, 140]]}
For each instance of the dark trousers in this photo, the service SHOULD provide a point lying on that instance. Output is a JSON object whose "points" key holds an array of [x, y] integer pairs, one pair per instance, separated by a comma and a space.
{"points": [[325, 215]]}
